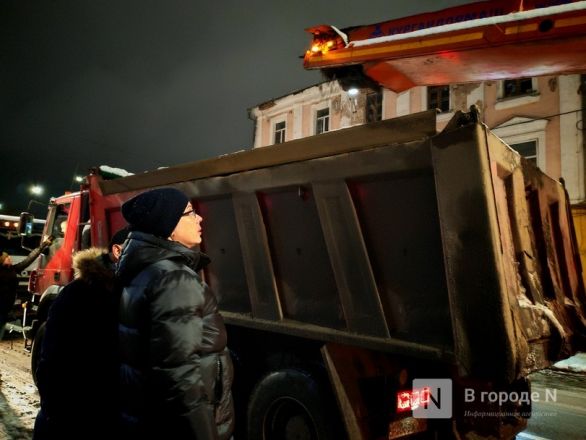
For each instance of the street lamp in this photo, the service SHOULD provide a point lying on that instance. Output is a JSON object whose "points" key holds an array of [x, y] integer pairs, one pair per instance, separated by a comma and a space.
{"points": [[36, 190]]}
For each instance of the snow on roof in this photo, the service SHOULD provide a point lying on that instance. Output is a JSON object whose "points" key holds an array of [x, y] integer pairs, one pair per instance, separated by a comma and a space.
{"points": [[115, 171], [515, 16]]}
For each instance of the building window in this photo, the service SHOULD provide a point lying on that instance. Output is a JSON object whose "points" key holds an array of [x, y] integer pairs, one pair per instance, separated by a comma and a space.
{"points": [[322, 121], [438, 97], [517, 87], [280, 131], [374, 106], [527, 149], [527, 136], [516, 92]]}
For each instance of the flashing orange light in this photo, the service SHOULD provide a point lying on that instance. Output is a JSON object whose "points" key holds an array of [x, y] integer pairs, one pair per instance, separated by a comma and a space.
{"points": [[322, 47], [7, 224]]}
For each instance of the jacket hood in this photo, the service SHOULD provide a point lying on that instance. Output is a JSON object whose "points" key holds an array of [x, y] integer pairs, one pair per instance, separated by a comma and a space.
{"points": [[93, 266], [142, 249]]}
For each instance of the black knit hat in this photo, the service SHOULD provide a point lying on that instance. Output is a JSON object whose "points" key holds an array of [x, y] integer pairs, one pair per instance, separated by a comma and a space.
{"points": [[119, 237], [156, 211]]}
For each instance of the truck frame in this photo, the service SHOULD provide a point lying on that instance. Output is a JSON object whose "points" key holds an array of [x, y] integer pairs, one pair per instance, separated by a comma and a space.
{"points": [[350, 263]]}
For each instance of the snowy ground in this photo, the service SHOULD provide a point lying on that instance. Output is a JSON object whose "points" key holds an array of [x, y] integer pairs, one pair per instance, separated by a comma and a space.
{"points": [[19, 400], [576, 363]]}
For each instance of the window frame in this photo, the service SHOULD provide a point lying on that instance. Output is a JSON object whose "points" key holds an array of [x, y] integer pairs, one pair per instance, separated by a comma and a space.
{"points": [[427, 98], [503, 88], [379, 96], [519, 129], [325, 118], [281, 132], [534, 141], [504, 102]]}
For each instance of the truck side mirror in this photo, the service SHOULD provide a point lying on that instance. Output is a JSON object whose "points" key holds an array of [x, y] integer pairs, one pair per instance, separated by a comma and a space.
{"points": [[25, 226]]}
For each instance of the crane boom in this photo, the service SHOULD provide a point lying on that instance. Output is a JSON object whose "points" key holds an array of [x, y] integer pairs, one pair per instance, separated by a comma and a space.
{"points": [[486, 40]]}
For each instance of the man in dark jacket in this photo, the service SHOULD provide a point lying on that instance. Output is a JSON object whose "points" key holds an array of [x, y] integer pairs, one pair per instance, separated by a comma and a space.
{"points": [[77, 374], [176, 372], [9, 280]]}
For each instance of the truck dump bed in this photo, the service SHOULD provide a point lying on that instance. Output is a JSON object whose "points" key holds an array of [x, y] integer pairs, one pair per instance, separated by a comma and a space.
{"points": [[389, 236]]}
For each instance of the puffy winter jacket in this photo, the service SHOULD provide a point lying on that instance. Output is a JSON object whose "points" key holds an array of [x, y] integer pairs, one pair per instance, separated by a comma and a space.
{"points": [[175, 371], [78, 366]]}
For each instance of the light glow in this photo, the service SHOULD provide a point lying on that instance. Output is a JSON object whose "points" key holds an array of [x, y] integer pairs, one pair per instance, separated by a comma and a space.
{"points": [[322, 47], [412, 399], [36, 190]]}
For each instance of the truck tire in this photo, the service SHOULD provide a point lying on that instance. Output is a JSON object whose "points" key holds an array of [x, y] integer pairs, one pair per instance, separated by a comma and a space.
{"points": [[291, 404], [36, 350]]}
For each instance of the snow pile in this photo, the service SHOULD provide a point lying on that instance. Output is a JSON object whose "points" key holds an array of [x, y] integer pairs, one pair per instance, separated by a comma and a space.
{"points": [[575, 363]]}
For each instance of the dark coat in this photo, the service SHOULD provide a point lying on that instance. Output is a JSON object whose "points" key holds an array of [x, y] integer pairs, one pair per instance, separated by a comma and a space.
{"points": [[172, 345], [9, 282], [8, 287], [77, 374]]}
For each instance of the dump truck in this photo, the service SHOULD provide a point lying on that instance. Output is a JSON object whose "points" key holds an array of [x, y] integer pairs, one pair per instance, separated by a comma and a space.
{"points": [[377, 282]]}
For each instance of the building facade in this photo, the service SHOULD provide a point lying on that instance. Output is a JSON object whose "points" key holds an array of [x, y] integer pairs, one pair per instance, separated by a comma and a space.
{"points": [[539, 117]]}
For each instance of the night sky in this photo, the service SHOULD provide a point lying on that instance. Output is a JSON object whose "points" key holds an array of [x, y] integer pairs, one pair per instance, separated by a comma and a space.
{"points": [[143, 84]]}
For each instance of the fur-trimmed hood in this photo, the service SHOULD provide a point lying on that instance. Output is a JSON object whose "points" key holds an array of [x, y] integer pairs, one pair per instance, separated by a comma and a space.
{"points": [[93, 265]]}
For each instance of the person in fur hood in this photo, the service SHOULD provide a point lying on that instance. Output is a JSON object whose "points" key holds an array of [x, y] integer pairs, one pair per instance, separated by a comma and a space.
{"points": [[78, 366]]}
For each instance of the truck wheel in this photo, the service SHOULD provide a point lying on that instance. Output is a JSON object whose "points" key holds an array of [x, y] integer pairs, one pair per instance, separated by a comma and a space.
{"points": [[291, 405], [36, 350]]}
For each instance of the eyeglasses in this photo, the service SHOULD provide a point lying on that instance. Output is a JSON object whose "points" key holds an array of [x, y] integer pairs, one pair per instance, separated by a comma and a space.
{"points": [[191, 213]]}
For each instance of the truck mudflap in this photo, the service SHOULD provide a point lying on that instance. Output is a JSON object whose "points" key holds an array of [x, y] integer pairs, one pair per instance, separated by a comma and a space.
{"points": [[518, 233]]}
